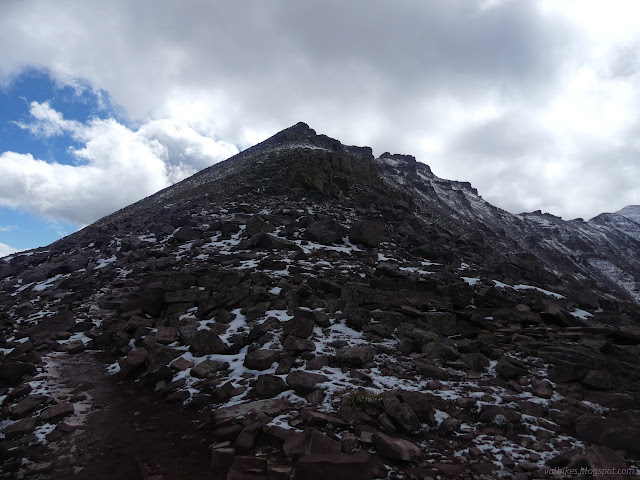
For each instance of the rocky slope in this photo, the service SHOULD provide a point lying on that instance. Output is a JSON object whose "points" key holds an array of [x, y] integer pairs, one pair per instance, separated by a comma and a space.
{"points": [[305, 309]]}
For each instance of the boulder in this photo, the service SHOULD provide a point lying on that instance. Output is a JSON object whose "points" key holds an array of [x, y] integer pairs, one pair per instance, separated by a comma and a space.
{"points": [[305, 382], [57, 412], [19, 428], [327, 232], [599, 380], [420, 403], [205, 368], [367, 232], [12, 373], [396, 448], [301, 327], [296, 345], [268, 386], [261, 359], [135, 359], [508, 368], [205, 342], [247, 437], [248, 468], [355, 356], [27, 405], [401, 414]]}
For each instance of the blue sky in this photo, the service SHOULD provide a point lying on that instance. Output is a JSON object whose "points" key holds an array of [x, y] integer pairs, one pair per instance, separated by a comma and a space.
{"points": [[18, 227], [534, 102]]}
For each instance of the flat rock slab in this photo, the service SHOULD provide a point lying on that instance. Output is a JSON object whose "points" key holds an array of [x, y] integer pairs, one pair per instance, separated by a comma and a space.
{"points": [[226, 415], [27, 405], [26, 425], [305, 382], [56, 412], [396, 448], [335, 466]]}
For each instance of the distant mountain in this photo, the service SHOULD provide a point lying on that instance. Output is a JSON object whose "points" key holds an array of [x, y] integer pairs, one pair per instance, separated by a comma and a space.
{"points": [[305, 309]]}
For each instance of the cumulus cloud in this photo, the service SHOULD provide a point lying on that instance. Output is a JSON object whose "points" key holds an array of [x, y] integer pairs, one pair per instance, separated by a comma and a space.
{"points": [[6, 250], [498, 92], [116, 165]]}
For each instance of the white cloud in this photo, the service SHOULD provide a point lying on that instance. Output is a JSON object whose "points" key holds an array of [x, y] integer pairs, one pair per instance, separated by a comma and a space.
{"points": [[6, 250], [8, 228], [117, 166], [499, 92]]}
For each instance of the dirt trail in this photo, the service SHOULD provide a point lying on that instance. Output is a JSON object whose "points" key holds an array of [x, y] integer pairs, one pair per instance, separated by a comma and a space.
{"points": [[123, 425]]}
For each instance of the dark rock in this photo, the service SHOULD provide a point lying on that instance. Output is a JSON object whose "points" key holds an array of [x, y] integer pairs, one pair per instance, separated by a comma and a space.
{"points": [[166, 335], [56, 412], [335, 466], [224, 416], [21, 427], [400, 414], [160, 356], [305, 382], [296, 345], [508, 368], [248, 468], [605, 460], [449, 470], [317, 363], [355, 356], [261, 359], [396, 448], [421, 404], [247, 437], [12, 373], [300, 327], [598, 379], [449, 425], [619, 431], [221, 458], [268, 386], [27, 405], [205, 368], [327, 232], [541, 388], [367, 232], [135, 359], [205, 342]]}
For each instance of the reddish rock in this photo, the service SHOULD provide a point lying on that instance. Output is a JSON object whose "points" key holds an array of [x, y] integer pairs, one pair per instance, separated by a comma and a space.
{"points": [[396, 448], [298, 326], [56, 412], [268, 386], [166, 335], [335, 466], [305, 382], [21, 427], [449, 470], [206, 368], [355, 356], [181, 364], [247, 437], [261, 359], [27, 405]]}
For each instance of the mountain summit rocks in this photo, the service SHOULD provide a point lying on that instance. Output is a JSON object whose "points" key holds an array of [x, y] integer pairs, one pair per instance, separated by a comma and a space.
{"points": [[306, 309]]}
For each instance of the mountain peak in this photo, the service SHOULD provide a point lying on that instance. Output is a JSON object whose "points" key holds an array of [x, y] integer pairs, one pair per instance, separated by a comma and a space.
{"points": [[632, 212]]}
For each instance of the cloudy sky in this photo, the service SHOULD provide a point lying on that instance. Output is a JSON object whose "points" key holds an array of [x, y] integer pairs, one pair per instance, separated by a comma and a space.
{"points": [[103, 103]]}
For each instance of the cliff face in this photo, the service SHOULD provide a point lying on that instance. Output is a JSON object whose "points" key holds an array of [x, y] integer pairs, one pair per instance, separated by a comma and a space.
{"points": [[306, 298]]}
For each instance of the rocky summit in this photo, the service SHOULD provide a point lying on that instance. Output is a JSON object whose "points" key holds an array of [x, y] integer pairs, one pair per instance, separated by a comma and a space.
{"points": [[305, 310]]}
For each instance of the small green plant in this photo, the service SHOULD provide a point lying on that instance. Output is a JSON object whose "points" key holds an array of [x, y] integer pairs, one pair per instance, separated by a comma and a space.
{"points": [[362, 399]]}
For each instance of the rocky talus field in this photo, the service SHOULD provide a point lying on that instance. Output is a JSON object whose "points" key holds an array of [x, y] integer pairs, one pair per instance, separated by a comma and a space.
{"points": [[307, 311]]}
